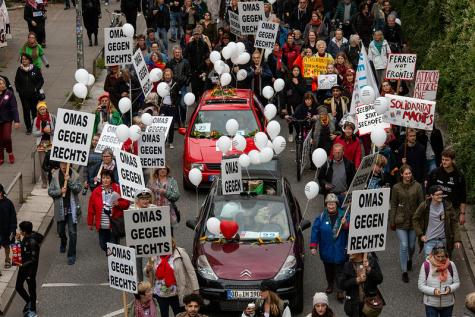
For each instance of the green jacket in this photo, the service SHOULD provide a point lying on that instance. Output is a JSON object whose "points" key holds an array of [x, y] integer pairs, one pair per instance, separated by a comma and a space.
{"points": [[114, 118], [29, 51], [405, 198]]}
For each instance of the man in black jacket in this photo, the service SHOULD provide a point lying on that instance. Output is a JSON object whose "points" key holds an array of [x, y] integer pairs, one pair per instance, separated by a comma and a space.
{"points": [[181, 74], [301, 16], [196, 52], [393, 34], [413, 153], [161, 18], [130, 8], [8, 223]]}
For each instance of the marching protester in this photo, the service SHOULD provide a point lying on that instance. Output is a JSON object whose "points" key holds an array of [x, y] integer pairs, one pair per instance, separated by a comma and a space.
{"points": [[35, 16], [351, 143], [323, 130], [8, 223], [117, 84], [181, 75], [130, 8], [294, 93], [337, 104], [378, 52], [8, 115], [43, 130], [94, 160], [169, 104], [91, 12], [107, 163], [34, 50], [144, 303], [166, 191], [268, 303], [193, 303], [106, 113], [413, 153], [321, 307]]}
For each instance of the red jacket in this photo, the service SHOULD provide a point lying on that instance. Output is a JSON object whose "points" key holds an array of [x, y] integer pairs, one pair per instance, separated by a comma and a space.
{"points": [[352, 149], [291, 52], [95, 206], [126, 147]]}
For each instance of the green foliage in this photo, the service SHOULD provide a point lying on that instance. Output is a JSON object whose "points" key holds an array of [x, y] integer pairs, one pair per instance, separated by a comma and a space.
{"points": [[442, 34]]}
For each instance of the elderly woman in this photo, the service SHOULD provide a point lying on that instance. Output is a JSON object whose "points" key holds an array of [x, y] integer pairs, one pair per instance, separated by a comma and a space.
{"points": [[378, 52], [166, 191], [8, 114], [144, 305], [106, 112], [107, 163], [330, 235]]}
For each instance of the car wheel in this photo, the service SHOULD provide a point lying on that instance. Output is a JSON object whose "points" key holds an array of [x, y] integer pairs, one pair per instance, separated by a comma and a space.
{"points": [[297, 304]]}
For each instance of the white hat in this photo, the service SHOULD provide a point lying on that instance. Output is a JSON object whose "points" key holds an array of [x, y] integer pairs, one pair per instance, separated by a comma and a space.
{"points": [[320, 298], [143, 192]]}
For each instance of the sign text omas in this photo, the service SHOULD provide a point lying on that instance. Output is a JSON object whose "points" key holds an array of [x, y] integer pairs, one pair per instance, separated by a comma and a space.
{"points": [[118, 48], [250, 14], [231, 176], [130, 174], [122, 268]]}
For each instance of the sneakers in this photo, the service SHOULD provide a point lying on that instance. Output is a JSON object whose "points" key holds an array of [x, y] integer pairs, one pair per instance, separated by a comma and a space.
{"points": [[290, 138], [405, 277], [171, 146], [26, 308], [71, 260]]}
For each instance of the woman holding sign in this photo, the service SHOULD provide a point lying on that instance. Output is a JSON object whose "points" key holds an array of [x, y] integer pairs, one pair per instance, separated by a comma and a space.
{"points": [[166, 191], [43, 130], [144, 305]]}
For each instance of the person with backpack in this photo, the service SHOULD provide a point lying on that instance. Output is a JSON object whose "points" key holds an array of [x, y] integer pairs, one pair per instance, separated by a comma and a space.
{"points": [[438, 280]]}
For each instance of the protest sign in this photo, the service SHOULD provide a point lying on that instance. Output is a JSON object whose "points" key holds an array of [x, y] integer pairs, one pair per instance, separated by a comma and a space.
{"points": [[108, 139], [361, 178], [231, 176], [130, 174], [122, 268], [306, 148], [368, 220], [314, 65], [152, 150], [234, 26], [266, 35], [367, 119], [410, 112], [148, 231], [427, 82], [72, 137], [142, 72], [160, 124], [401, 67], [250, 14], [118, 48], [327, 81]]}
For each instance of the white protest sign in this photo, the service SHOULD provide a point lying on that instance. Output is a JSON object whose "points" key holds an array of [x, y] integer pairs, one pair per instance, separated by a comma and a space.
{"points": [[364, 77], [122, 268], [160, 124], [142, 72], [427, 82], [306, 147], [327, 81], [118, 48], [368, 220], [360, 180], [367, 119], [410, 112], [130, 174], [148, 231], [152, 150], [72, 137], [266, 35], [108, 139], [250, 14], [234, 26], [401, 67], [231, 176]]}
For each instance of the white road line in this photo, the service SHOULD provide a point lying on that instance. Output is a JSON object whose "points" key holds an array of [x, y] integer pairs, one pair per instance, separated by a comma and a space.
{"points": [[114, 313], [71, 284]]}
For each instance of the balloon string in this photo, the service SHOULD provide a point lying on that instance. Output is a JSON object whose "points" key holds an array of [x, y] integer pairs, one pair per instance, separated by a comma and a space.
{"points": [[306, 208], [197, 202], [316, 174]]}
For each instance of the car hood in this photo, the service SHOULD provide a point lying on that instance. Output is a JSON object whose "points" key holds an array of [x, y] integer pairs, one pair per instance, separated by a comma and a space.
{"points": [[204, 150], [231, 260]]}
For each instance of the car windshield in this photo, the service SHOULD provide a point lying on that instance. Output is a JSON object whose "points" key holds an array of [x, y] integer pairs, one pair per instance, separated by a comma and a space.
{"points": [[212, 123], [261, 219]]}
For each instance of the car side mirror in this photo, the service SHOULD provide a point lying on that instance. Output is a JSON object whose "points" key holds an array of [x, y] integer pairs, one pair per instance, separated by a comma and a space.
{"points": [[182, 131], [191, 223], [305, 224]]}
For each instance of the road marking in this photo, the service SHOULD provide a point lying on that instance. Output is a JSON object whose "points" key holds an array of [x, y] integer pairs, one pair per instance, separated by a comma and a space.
{"points": [[115, 313], [71, 284]]}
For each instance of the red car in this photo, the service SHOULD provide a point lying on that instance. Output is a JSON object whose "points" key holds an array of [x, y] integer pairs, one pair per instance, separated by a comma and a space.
{"points": [[208, 124]]}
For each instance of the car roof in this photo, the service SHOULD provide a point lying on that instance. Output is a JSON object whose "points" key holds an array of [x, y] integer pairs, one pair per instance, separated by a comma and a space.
{"points": [[241, 100]]}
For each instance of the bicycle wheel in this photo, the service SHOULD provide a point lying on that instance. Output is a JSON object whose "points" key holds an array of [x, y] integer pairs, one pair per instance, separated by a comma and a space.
{"points": [[298, 154]]}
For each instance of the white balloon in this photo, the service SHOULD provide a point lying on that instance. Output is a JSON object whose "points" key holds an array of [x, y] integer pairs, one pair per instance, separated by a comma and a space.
{"points": [[163, 89], [239, 142], [244, 160], [311, 190], [213, 225], [244, 58], [378, 136], [270, 145], [146, 118], [235, 59], [273, 129], [367, 95], [232, 126], [241, 74], [214, 56], [135, 132], [226, 68], [241, 47], [254, 157], [189, 98], [91, 80], [232, 46], [81, 76], [195, 176], [80, 90], [270, 111], [271, 1], [219, 67], [267, 92], [279, 144], [381, 105], [260, 139], [226, 52], [279, 84], [225, 79], [128, 30], [155, 75], [125, 104], [266, 155], [224, 144], [319, 157], [122, 132]]}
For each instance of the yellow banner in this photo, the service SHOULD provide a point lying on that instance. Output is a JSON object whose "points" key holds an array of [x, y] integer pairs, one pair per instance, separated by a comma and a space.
{"points": [[315, 65]]}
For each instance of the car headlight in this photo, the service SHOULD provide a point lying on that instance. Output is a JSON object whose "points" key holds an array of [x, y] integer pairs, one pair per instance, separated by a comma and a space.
{"points": [[288, 269], [204, 269], [199, 166]]}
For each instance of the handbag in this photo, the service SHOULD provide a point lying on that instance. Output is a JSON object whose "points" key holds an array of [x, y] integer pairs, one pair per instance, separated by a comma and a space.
{"points": [[176, 210], [373, 305], [40, 94], [118, 227]]}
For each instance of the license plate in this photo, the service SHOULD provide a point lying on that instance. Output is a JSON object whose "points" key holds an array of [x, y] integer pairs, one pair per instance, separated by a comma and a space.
{"points": [[242, 294], [211, 178]]}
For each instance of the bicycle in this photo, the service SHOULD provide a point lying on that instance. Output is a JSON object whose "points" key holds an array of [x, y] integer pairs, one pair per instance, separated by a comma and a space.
{"points": [[115, 18], [302, 144]]}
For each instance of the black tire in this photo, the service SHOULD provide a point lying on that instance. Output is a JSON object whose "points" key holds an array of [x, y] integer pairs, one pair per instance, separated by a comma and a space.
{"points": [[297, 302], [299, 160]]}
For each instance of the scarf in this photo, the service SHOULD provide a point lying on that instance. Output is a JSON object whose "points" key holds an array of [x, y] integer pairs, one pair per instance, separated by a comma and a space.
{"points": [[343, 105], [440, 267], [278, 57], [139, 308], [41, 118], [27, 68], [315, 23], [378, 45], [165, 272]]}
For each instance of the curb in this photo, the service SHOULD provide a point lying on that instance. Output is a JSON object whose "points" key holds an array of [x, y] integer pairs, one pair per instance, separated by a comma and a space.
{"points": [[468, 243]]}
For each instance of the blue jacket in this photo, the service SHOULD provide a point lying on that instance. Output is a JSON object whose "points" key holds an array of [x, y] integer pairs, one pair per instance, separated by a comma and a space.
{"points": [[331, 250]]}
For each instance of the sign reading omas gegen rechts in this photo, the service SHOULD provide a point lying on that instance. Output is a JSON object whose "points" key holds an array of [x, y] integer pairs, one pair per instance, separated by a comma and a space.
{"points": [[152, 150], [142, 72], [251, 13], [231, 176], [266, 35], [122, 268], [130, 174], [118, 48]]}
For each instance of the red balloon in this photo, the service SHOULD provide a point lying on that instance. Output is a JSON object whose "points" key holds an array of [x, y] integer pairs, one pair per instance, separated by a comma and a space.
{"points": [[229, 228]]}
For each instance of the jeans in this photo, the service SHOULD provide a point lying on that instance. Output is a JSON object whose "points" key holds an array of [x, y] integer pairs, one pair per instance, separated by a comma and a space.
{"points": [[182, 108], [105, 235], [429, 245], [439, 311], [163, 34], [430, 166], [175, 25], [72, 233], [407, 246], [165, 302], [28, 275]]}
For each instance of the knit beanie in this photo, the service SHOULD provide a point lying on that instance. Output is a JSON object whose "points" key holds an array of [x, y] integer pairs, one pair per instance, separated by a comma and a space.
{"points": [[41, 104], [320, 298]]}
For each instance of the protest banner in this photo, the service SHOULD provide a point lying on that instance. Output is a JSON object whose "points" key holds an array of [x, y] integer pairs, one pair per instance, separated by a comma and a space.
{"points": [[148, 231], [360, 180], [368, 220], [118, 48], [160, 124], [152, 150], [72, 137], [130, 174], [234, 26], [306, 148], [266, 35], [231, 176], [122, 268], [250, 14], [327, 81], [401, 67], [427, 82], [314, 66], [142, 72], [367, 119], [410, 112], [108, 139]]}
